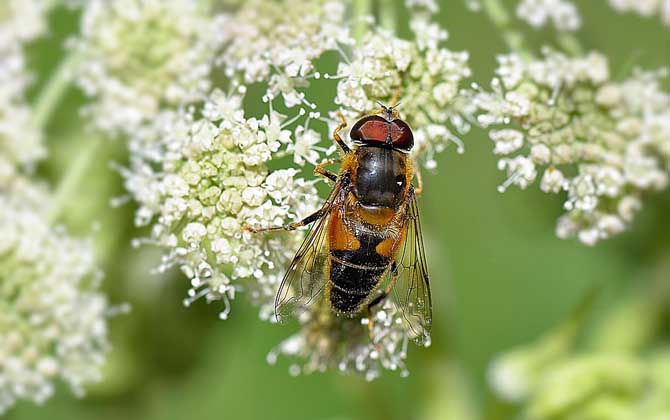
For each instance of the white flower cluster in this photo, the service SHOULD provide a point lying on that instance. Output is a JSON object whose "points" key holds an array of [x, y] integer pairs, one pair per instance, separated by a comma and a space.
{"points": [[538, 13], [20, 22], [603, 142], [277, 42], [427, 79], [200, 171], [213, 180], [329, 342], [52, 318], [53, 321], [137, 56], [646, 8]]}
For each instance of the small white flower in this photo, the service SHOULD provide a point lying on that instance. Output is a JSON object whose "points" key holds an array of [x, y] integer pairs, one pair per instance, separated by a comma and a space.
{"points": [[507, 141], [538, 13], [553, 181], [646, 8]]}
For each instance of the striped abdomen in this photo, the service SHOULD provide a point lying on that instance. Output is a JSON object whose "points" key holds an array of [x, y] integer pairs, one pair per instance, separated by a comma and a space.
{"points": [[359, 257], [355, 274]]}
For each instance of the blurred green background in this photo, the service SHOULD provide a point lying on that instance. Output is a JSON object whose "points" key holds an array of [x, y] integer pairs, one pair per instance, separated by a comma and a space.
{"points": [[500, 277]]}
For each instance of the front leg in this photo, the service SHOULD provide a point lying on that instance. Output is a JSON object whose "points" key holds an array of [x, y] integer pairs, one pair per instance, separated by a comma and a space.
{"points": [[336, 133], [419, 180], [291, 226], [322, 171]]}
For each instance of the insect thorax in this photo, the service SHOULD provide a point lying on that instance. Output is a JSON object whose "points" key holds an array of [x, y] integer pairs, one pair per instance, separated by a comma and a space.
{"points": [[380, 178]]}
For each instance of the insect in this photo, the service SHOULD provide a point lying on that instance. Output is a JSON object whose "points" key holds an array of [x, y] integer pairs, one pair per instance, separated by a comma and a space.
{"points": [[365, 242]]}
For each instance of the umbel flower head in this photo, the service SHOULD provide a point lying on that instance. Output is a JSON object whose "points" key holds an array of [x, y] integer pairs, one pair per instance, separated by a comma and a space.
{"points": [[326, 341], [137, 56], [201, 172], [427, 78], [52, 318], [603, 143], [213, 180]]}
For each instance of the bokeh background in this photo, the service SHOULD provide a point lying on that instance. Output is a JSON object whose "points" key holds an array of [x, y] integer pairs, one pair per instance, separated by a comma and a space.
{"points": [[500, 277]]}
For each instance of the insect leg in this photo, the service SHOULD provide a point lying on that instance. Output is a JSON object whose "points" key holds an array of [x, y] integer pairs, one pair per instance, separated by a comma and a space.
{"points": [[322, 171], [291, 226], [395, 98], [419, 180], [336, 133]]}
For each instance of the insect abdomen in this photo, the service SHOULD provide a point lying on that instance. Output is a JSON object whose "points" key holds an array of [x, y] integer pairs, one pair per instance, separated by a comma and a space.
{"points": [[355, 274]]}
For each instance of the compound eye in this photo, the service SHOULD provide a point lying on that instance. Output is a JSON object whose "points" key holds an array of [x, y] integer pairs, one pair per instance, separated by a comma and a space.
{"points": [[401, 135], [370, 129]]}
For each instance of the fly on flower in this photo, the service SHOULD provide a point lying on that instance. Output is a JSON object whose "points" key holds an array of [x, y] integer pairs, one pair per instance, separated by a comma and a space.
{"points": [[365, 243]]}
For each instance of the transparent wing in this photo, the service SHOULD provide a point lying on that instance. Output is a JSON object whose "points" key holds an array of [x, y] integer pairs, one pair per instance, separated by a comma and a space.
{"points": [[411, 291], [305, 279]]}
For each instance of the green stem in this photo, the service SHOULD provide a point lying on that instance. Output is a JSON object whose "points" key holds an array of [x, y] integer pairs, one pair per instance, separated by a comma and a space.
{"points": [[387, 15], [361, 10], [496, 11], [570, 44], [52, 93], [69, 184]]}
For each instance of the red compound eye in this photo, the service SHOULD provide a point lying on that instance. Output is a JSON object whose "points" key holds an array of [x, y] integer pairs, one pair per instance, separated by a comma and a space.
{"points": [[401, 135], [370, 129], [376, 131]]}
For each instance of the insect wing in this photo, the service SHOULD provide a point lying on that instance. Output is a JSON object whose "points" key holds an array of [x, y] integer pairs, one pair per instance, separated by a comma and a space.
{"points": [[411, 292], [305, 279]]}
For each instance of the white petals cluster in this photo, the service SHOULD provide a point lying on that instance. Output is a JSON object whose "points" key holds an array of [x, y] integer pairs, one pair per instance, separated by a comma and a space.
{"points": [[646, 8], [329, 342], [21, 21], [563, 14], [20, 141], [52, 318], [604, 143], [213, 180], [138, 55], [427, 79], [200, 172], [279, 41]]}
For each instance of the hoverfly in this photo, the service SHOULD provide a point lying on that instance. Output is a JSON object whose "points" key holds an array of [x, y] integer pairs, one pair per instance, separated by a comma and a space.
{"points": [[365, 243]]}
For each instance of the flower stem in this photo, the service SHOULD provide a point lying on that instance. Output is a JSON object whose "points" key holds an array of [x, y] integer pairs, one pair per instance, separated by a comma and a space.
{"points": [[69, 184], [501, 19], [52, 93], [361, 11], [387, 15], [570, 44]]}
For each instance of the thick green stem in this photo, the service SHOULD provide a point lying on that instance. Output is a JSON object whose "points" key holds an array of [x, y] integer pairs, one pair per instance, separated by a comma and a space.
{"points": [[69, 184], [52, 93], [361, 10], [387, 15], [497, 13]]}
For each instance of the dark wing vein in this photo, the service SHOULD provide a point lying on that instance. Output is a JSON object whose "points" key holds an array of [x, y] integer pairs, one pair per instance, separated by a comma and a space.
{"points": [[411, 292], [305, 280]]}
